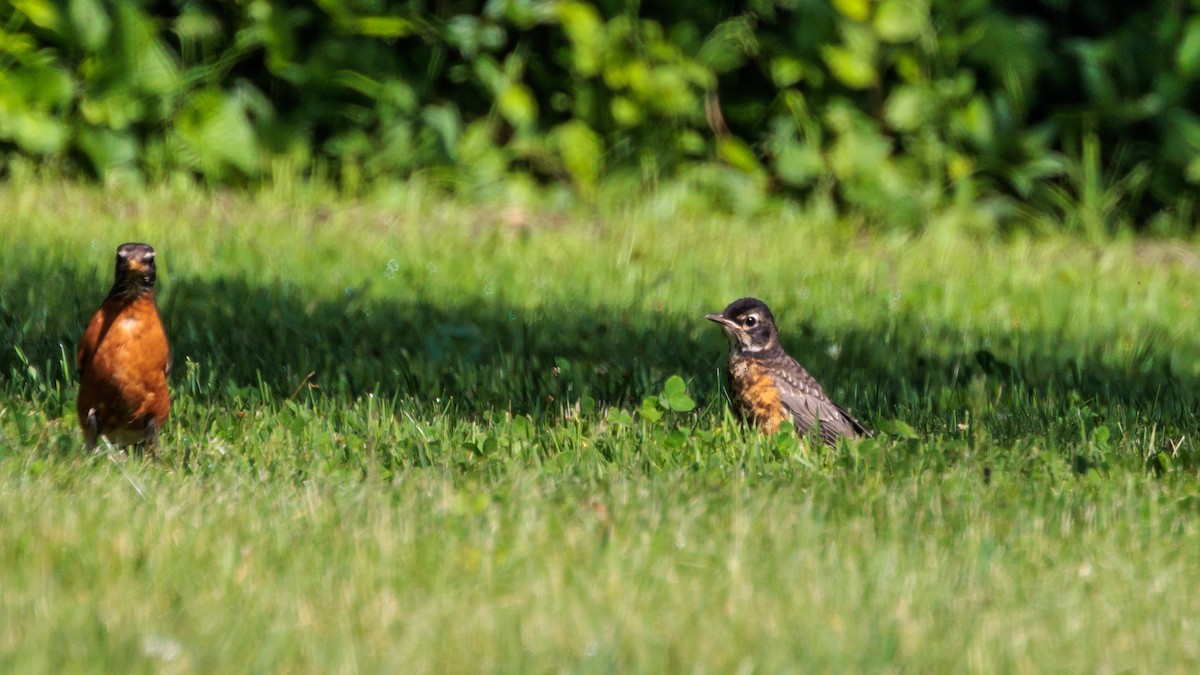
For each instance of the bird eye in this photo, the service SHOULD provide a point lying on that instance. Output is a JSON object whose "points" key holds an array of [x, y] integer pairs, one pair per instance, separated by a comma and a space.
{"points": [[751, 321]]}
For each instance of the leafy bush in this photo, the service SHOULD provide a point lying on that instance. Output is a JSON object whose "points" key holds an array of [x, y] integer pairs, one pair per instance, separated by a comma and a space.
{"points": [[1080, 112]]}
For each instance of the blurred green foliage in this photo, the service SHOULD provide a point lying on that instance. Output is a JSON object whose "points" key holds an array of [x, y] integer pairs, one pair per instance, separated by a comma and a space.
{"points": [[1083, 113]]}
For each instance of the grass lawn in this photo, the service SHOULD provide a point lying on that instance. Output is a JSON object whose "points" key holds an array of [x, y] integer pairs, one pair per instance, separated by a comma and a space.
{"points": [[413, 435]]}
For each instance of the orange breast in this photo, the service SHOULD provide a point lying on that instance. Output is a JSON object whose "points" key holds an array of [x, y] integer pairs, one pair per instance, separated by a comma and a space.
{"points": [[756, 395], [123, 359]]}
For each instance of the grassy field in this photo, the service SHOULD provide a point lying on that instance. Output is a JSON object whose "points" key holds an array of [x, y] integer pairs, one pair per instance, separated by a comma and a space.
{"points": [[412, 435]]}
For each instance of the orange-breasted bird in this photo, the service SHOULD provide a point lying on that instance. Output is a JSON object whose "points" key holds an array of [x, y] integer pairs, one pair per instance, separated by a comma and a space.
{"points": [[124, 357], [768, 386]]}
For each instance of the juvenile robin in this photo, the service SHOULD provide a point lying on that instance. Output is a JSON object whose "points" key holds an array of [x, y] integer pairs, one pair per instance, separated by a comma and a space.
{"points": [[124, 357], [768, 386]]}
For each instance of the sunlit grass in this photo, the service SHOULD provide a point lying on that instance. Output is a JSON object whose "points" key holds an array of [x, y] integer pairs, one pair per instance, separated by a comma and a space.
{"points": [[409, 435]]}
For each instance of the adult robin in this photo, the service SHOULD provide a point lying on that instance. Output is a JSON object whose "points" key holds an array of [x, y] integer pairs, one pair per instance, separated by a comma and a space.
{"points": [[768, 386], [124, 357]]}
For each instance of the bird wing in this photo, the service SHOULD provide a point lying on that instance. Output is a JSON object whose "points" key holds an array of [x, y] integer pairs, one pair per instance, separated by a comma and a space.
{"points": [[87, 344], [803, 397]]}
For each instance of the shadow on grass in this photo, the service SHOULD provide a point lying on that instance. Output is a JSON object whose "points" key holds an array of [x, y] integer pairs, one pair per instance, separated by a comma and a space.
{"points": [[235, 340]]}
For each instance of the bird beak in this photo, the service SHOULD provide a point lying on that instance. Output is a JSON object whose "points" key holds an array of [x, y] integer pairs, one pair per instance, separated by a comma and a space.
{"points": [[720, 318]]}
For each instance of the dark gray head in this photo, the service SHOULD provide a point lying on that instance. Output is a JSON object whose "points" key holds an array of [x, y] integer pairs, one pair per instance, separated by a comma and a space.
{"points": [[136, 271], [749, 325]]}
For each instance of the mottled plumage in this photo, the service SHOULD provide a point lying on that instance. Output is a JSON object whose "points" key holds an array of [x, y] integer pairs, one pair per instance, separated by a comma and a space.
{"points": [[124, 357], [768, 386]]}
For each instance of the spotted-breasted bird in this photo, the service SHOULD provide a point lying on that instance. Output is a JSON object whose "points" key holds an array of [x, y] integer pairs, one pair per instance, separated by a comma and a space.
{"points": [[768, 386], [124, 357]]}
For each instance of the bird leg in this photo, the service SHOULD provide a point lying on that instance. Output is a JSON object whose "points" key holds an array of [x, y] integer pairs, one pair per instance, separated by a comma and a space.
{"points": [[91, 429], [152, 437]]}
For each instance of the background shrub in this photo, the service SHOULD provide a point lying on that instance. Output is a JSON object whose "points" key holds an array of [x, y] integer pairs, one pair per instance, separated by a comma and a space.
{"points": [[1082, 113]]}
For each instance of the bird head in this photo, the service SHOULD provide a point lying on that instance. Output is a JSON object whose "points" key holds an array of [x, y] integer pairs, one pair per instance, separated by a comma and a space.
{"points": [[748, 325], [136, 271]]}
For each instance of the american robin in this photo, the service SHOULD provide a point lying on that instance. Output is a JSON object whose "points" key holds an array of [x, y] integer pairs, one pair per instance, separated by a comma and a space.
{"points": [[768, 386], [124, 357]]}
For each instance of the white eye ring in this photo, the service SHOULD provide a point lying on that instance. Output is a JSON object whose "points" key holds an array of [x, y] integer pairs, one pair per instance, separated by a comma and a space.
{"points": [[750, 321]]}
